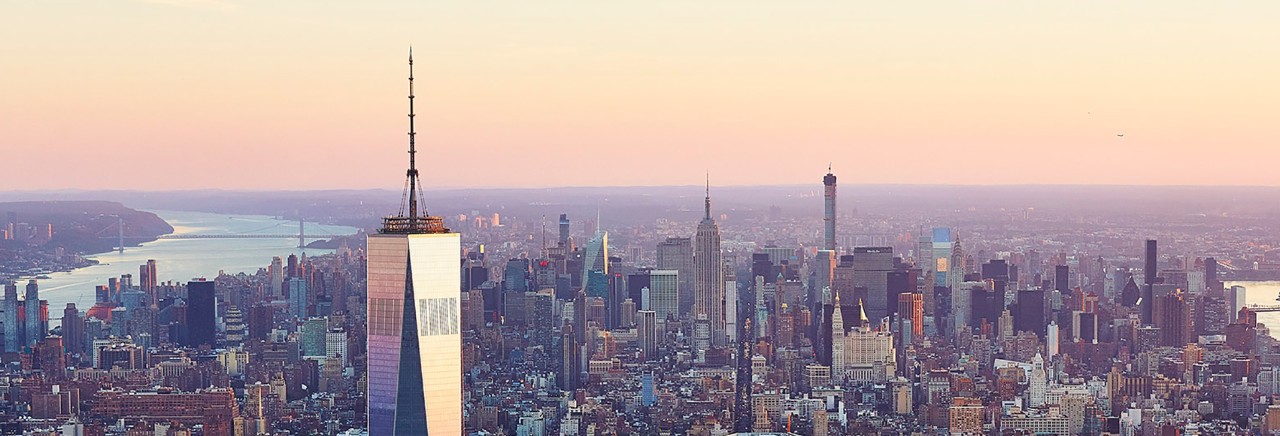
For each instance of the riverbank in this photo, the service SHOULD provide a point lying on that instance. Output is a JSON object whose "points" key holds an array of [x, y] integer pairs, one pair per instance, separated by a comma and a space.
{"points": [[180, 260]]}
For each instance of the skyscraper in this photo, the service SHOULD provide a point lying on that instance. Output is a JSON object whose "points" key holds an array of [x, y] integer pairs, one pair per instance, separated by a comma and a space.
{"points": [[829, 213], [12, 331], [1149, 281], [664, 286], [415, 349], [147, 280], [677, 254], [596, 256], [709, 267], [824, 276], [276, 278], [72, 329], [871, 267], [34, 330], [297, 297], [564, 230], [201, 311]]}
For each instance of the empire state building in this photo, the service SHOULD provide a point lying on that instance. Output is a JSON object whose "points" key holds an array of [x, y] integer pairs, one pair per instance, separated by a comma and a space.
{"points": [[708, 287]]}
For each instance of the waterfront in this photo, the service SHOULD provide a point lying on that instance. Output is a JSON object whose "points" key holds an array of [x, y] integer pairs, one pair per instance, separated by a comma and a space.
{"points": [[181, 260], [1262, 293]]}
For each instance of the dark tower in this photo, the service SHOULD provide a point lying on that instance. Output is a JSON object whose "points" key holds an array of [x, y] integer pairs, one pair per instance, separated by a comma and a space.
{"points": [[1062, 279], [829, 213], [1211, 275], [1149, 281], [564, 230], [201, 311]]}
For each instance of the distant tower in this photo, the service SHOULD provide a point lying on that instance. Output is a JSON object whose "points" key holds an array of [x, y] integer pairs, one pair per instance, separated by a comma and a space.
{"points": [[35, 332], [829, 216], [1149, 280], [12, 330], [414, 340], [564, 230], [708, 287], [837, 344]]}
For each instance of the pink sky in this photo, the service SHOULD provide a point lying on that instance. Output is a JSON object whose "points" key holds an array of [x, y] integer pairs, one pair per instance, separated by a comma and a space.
{"points": [[177, 94]]}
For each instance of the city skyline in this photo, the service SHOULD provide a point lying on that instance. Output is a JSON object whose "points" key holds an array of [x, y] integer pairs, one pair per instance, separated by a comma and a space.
{"points": [[990, 269], [270, 94]]}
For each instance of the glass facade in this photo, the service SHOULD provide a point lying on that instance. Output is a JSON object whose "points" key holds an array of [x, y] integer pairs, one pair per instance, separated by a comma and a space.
{"points": [[415, 361]]}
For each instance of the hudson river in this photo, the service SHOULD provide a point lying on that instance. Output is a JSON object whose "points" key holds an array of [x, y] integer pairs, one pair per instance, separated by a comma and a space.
{"points": [[180, 260]]}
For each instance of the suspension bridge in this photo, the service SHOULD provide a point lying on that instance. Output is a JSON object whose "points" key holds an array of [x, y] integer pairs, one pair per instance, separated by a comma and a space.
{"points": [[261, 233]]}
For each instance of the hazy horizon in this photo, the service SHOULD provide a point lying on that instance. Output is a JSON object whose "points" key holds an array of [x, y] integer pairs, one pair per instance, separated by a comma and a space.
{"points": [[222, 94]]}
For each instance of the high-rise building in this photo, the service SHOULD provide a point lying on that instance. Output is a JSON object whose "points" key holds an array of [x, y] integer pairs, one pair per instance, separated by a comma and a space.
{"points": [[298, 297], [1029, 311], [910, 316], [829, 211], [564, 230], [664, 287], [72, 330], [730, 304], [595, 258], [709, 267], [647, 333], [1235, 300], [12, 330], [677, 254], [35, 331], [871, 267], [837, 343], [201, 311], [1149, 281], [147, 280], [1062, 279], [414, 342], [824, 275], [275, 278]]}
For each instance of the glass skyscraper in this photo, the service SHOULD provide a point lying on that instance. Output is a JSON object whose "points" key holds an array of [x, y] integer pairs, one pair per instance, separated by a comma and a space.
{"points": [[415, 341], [415, 345]]}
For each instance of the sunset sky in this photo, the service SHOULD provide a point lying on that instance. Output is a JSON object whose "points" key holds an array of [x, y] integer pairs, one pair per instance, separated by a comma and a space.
{"points": [[282, 94]]}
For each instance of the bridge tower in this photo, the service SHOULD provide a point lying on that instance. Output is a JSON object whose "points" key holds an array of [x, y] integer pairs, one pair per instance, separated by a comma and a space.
{"points": [[120, 228], [302, 241]]}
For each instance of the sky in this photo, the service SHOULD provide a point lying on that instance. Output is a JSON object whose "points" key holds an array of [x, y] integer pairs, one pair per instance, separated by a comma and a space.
{"points": [[285, 94]]}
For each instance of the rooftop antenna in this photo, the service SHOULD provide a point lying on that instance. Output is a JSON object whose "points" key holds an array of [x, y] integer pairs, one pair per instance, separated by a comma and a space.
{"points": [[708, 198], [413, 223]]}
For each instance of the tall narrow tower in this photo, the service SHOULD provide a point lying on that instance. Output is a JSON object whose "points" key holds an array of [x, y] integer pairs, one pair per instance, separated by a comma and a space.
{"points": [[708, 286], [415, 346], [829, 215]]}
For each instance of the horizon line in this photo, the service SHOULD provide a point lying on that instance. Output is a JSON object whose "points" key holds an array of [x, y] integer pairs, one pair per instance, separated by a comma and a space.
{"points": [[698, 186]]}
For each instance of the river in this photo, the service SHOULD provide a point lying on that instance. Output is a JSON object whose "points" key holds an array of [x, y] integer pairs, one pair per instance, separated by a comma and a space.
{"points": [[1262, 293], [181, 260]]}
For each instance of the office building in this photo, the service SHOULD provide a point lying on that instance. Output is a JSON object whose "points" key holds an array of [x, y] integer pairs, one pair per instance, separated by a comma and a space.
{"points": [[664, 289], [829, 211], [871, 268], [1149, 281], [709, 268], [201, 312], [12, 329], [414, 342], [676, 254]]}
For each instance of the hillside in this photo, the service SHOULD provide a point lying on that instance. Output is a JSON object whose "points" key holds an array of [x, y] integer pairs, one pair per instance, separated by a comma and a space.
{"points": [[80, 226]]}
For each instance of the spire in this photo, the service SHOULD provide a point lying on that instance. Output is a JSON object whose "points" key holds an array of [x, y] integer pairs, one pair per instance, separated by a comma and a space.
{"points": [[708, 200], [412, 174], [410, 219]]}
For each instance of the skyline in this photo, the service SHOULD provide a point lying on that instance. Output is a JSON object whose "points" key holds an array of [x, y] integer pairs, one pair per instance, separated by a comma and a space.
{"points": [[273, 96]]}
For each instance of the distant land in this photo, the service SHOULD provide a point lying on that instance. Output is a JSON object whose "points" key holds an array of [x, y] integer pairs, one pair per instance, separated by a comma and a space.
{"points": [[631, 204], [82, 226]]}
